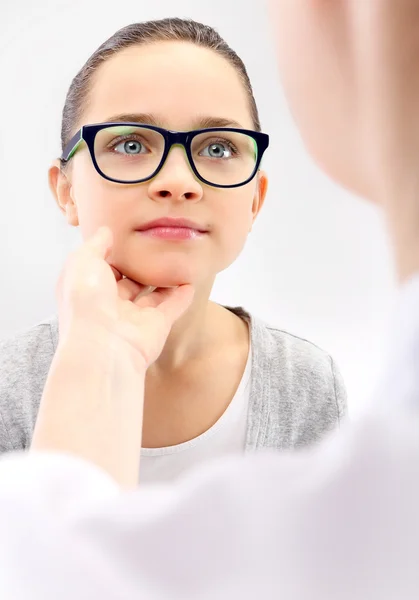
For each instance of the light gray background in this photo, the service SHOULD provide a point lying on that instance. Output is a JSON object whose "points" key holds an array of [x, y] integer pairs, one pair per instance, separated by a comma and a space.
{"points": [[316, 262]]}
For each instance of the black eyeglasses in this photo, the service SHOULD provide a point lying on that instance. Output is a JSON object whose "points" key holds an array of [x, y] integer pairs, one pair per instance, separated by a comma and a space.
{"points": [[133, 153]]}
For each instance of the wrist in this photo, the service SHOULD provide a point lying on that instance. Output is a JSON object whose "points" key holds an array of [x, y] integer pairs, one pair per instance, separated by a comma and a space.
{"points": [[98, 343]]}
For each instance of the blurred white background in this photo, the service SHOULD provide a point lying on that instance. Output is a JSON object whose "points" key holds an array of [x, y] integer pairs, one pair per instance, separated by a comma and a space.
{"points": [[316, 262]]}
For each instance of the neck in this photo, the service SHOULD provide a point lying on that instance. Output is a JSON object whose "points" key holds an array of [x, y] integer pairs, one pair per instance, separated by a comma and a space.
{"points": [[190, 335]]}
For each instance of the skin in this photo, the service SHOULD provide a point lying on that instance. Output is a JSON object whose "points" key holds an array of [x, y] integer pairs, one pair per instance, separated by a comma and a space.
{"points": [[354, 97], [207, 348], [324, 75]]}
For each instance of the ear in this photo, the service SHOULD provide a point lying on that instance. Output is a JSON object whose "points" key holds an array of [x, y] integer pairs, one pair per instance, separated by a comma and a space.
{"points": [[260, 194], [62, 190]]}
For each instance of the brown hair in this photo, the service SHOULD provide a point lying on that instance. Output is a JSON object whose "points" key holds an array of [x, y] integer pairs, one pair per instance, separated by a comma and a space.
{"points": [[142, 33]]}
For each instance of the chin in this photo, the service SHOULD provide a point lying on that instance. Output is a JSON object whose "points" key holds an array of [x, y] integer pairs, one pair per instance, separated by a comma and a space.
{"points": [[159, 276]]}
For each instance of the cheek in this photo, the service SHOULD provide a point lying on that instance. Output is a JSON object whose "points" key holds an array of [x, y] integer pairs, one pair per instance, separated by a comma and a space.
{"points": [[234, 220], [101, 203]]}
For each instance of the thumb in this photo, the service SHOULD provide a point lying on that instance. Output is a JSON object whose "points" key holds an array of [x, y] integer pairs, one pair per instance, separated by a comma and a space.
{"points": [[81, 273]]}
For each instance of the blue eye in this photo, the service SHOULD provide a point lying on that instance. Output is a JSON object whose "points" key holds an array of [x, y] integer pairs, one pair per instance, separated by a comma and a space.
{"points": [[132, 147], [218, 150]]}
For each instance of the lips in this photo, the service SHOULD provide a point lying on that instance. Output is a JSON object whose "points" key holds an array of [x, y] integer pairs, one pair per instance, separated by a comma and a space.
{"points": [[171, 222], [172, 229]]}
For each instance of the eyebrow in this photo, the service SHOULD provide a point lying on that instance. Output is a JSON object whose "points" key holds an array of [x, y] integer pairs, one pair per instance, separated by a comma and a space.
{"points": [[203, 122]]}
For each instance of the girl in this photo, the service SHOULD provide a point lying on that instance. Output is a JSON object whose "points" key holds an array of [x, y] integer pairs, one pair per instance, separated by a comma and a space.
{"points": [[161, 142]]}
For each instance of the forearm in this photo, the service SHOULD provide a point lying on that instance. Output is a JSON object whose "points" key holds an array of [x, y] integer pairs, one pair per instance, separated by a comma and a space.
{"points": [[92, 406]]}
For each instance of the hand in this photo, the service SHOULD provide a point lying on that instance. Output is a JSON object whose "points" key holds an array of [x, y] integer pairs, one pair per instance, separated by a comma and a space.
{"points": [[96, 300], [92, 404]]}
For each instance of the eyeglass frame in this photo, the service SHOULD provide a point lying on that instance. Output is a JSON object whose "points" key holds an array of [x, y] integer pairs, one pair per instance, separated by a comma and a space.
{"points": [[87, 133]]}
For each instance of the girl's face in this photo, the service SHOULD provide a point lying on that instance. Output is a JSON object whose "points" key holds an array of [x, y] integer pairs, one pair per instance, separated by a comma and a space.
{"points": [[178, 86]]}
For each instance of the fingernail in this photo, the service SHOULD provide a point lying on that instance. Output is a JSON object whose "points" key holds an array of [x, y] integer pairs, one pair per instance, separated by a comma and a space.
{"points": [[148, 290]]}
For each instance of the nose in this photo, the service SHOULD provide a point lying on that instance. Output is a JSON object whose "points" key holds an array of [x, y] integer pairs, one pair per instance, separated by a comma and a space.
{"points": [[175, 180]]}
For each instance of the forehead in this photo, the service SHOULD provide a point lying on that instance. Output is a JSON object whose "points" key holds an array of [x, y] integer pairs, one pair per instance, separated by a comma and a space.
{"points": [[174, 81]]}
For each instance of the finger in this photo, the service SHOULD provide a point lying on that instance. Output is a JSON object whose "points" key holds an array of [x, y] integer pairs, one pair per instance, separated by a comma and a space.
{"points": [[145, 293], [100, 243], [177, 301], [130, 290], [153, 298]]}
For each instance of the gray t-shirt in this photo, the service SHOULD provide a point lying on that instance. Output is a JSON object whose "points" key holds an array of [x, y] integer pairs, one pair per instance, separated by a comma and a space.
{"points": [[296, 394]]}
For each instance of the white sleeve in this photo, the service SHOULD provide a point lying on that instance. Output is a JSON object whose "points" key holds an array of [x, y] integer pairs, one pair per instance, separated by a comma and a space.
{"points": [[337, 522], [399, 386]]}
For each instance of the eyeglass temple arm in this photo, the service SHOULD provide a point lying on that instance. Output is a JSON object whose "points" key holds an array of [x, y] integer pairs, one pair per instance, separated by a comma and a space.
{"points": [[72, 146]]}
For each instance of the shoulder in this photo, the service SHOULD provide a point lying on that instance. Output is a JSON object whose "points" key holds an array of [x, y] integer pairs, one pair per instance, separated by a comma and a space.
{"points": [[25, 359], [301, 355], [276, 347], [310, 368], [298, 391], [28, 348]]}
